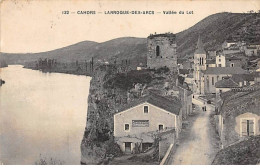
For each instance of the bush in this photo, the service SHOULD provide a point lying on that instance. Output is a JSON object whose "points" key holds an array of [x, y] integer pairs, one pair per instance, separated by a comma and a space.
{"points": [[126, 81]]}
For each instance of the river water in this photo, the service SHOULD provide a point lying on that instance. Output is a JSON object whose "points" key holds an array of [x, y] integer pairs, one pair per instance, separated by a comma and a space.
{"points": [[42, 116]]}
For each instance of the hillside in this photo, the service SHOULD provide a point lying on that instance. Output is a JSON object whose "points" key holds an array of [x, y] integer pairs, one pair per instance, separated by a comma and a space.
{"points": [[126, 47], [214, 30]]}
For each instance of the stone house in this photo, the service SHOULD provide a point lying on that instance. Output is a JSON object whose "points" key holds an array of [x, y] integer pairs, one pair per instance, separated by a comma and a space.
{"points": [[213, 75], [136, 124], [220, 61], [251, 51], [186, 99], [237, 60], [239, 116], [162, 51], [235, 83]]}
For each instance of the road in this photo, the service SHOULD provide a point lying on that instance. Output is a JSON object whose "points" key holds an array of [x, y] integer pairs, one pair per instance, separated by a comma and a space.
{"points": [[198, 142]]}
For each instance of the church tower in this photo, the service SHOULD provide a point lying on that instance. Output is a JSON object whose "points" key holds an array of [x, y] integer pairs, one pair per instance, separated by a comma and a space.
{"points": [[199, 66]]}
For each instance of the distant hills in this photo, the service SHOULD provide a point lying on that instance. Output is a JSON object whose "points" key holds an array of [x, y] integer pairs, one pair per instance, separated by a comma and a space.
{"points": [[214, 30]]}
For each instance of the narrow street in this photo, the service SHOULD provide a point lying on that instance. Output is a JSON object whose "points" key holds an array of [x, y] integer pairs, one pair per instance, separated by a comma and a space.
{"points": [[198, 142]]}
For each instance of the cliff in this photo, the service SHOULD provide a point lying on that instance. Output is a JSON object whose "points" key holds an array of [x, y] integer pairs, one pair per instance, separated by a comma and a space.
{"points": [[110, 89]]}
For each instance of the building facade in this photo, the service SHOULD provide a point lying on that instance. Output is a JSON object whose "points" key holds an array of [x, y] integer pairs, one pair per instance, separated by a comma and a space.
{"points": [[162, 51], [137, 123], [239, 115]]}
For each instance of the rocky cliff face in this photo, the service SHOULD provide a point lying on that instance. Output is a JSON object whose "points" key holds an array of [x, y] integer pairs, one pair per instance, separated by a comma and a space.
{"points": [[110, 89]]}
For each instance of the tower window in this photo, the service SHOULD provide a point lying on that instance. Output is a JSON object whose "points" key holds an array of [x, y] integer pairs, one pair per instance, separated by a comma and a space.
{"points": [[157, 51]]}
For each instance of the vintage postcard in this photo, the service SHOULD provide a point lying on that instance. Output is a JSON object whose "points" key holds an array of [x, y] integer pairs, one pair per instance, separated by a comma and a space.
{"points": [[132, 82]]}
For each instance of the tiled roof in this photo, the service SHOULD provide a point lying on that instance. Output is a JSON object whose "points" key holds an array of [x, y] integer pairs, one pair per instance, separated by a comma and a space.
{"points": [[226, 83], [172, 105], [239, 102], [210, 61], [225, 70], [184, 71]]}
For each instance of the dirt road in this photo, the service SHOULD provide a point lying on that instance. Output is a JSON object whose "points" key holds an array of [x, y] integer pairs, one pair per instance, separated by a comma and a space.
{"points": [[198, 142]]}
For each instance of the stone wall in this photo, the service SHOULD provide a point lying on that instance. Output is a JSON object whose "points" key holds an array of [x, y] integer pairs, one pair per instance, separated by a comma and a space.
{"points": [[166, 139]]}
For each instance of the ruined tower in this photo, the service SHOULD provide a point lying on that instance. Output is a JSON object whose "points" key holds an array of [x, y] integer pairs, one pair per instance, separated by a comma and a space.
{"points": [[162, 51]]}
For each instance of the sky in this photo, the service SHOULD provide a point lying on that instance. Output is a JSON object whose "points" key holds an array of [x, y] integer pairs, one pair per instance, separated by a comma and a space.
{"points": [[31, 26]]}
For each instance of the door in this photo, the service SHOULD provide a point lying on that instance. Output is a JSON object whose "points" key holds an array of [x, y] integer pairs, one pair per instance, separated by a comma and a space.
{"points": [[127, 147]]}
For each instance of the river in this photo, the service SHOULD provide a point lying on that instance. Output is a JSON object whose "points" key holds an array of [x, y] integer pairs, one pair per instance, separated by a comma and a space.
{"points": [[42, 116]]}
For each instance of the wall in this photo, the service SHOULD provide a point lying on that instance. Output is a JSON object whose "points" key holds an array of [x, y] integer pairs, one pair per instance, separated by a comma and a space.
{"points": [[220, 59], [166, 139], [248, 116], [155, 116], [237, 63], [231, 127], [209, 87]]}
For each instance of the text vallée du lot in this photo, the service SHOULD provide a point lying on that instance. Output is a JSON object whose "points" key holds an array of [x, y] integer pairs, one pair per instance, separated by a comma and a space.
{"points": [[118, 12]]}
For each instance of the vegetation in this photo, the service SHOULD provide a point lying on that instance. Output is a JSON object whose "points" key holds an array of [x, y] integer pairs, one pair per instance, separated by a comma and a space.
{"points": [[243, 153], [125, 81], [48, 161]]}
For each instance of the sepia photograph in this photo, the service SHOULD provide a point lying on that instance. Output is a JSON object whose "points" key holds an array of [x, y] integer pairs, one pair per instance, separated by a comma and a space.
{"points": [[130, 82]]}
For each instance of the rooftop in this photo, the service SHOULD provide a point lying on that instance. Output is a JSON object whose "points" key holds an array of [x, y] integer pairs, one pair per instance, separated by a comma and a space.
{"points": [[239, 102], [243, 153], [210, 61], [172, 105], [226, 83], [225, 70]]}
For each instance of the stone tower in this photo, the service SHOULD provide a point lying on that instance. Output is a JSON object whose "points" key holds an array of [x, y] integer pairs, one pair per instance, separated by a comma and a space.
{"points": [[199, 66], [162, 51]]}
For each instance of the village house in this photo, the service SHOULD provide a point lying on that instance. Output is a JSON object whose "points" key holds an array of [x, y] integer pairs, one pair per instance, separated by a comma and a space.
{"points": [[228, 43], [220, 61], [136, 123], [236, 60], [251, 51], [213, 75], [239, 115], [210, 63], [236, 82], [186, 100]]}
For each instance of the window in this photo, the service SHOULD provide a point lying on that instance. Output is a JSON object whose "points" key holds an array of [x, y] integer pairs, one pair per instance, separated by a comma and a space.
{"points": [[219, 65], [212, 80], [145, 109], [232, 65], [126, 127], [157, 51], [247, 127], [160, 127], [219, 60]]}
